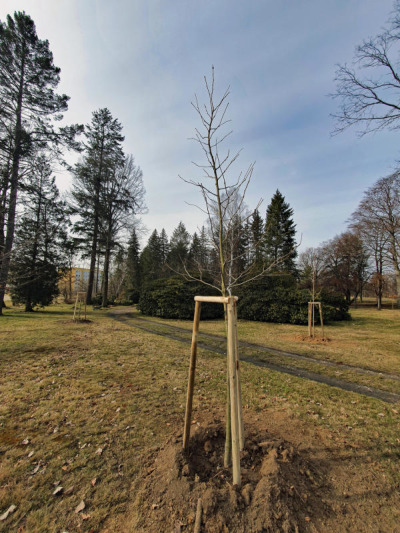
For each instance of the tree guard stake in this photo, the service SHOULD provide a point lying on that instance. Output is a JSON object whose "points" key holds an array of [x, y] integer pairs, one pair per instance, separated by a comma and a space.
{"points": [[234, 379]]}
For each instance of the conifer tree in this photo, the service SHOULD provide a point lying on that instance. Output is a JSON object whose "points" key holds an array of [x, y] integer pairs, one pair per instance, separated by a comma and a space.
{"points": [[164, 248], [103, 155], [151, 259], [256, 236], [133, 274], [36, 262], [29, 103], [179, 248], [280, 235]]}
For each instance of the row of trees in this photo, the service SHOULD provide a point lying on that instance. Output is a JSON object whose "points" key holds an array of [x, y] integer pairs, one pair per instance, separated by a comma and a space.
{"points": [[41, 233]]}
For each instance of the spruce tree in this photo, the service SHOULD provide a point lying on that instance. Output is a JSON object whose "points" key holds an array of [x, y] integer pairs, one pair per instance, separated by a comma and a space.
{"points": [[36, 262], [256, 236], [280, 236], [133, 275], [151, 259], [29, 103], [179, 248], [103, 155]]}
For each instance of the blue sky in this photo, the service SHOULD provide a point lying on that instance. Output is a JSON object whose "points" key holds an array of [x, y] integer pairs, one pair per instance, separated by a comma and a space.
{"points": [[145, 60]]}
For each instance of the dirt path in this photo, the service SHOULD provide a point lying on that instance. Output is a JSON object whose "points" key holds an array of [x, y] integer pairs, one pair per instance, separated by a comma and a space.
{"points": [[150, 326]]}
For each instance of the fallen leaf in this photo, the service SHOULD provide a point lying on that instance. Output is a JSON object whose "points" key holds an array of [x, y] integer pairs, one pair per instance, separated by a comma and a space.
{"points": [[9, 511], [30, 454], [85, 516], [93, 482], [80, 507], [57, 491], [69, 491], [25, 442], [35, 470], [99, 451]]}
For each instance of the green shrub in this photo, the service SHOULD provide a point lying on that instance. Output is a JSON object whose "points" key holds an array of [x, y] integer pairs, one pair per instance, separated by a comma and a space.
{"points": [[276, 299], [174, 298]]}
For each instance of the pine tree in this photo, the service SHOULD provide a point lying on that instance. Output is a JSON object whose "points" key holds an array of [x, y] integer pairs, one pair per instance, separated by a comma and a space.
{"points": [[280, 232], [28, 79], [36, 262]]}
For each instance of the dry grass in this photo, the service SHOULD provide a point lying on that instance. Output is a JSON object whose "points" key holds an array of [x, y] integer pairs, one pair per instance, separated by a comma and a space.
{"points": [[370, 340], [70, 390]]}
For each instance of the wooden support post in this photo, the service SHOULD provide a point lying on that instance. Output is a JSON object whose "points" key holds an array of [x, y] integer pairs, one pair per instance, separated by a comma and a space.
{"points": [[313, 320], [233, 394], [192, 370], [76, 303], [309, 318], [239, 391], [322, 322]]}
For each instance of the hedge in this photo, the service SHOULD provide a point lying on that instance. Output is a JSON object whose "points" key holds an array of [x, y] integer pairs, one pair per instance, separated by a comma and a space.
{"points": [[272, 300], [174, 298]]}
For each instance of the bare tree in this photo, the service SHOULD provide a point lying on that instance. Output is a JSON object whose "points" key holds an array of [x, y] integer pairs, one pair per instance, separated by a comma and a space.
{"points": [[371, 101], [378, 219], [223, 204]]}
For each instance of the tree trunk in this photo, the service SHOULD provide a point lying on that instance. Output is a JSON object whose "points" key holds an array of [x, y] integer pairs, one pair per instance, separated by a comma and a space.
{"points": [[6, 254], [105, 274]]}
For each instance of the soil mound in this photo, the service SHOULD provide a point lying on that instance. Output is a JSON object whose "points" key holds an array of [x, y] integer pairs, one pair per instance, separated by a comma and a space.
{"points": [[279, 493]]}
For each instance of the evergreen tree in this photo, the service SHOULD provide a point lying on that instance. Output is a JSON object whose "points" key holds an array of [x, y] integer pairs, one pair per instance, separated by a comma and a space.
{"points": [[133, 274], [36, 264], [28, 79], [280, 232], [179, 248], [256, 238], [164, 248], [151, 259], [103, 155]]}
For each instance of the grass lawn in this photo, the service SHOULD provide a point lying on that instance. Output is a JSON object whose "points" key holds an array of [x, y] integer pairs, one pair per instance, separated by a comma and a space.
{"points": [[370, 340], [82, 405]]}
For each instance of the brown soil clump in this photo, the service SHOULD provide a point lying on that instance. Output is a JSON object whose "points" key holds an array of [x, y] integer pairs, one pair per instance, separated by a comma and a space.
{"points": [[280, 489]]}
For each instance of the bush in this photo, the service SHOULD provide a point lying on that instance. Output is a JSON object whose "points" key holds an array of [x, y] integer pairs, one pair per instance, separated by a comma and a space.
{"points": [[174, 298], [274, 299]]}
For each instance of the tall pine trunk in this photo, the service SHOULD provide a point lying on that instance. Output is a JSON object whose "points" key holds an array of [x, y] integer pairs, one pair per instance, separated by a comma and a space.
{"points": [[14, 182]]}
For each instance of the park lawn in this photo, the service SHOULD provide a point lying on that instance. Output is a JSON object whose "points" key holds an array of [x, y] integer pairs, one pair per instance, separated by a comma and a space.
{"points": [[82, 405], [370, 340]]}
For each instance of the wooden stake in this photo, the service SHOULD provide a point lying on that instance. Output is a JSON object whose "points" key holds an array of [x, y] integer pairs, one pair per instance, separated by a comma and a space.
{"points": [[239, 391], [233, 393], [199, 510], [76, 303], [192, 370], [322, 322], [309, 318]]}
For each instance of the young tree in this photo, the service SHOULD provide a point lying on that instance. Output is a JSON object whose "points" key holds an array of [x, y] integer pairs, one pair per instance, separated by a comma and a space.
{"points": [[28, 106], [103, 156], [35, 265], [223, 203], [279, 238]]}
